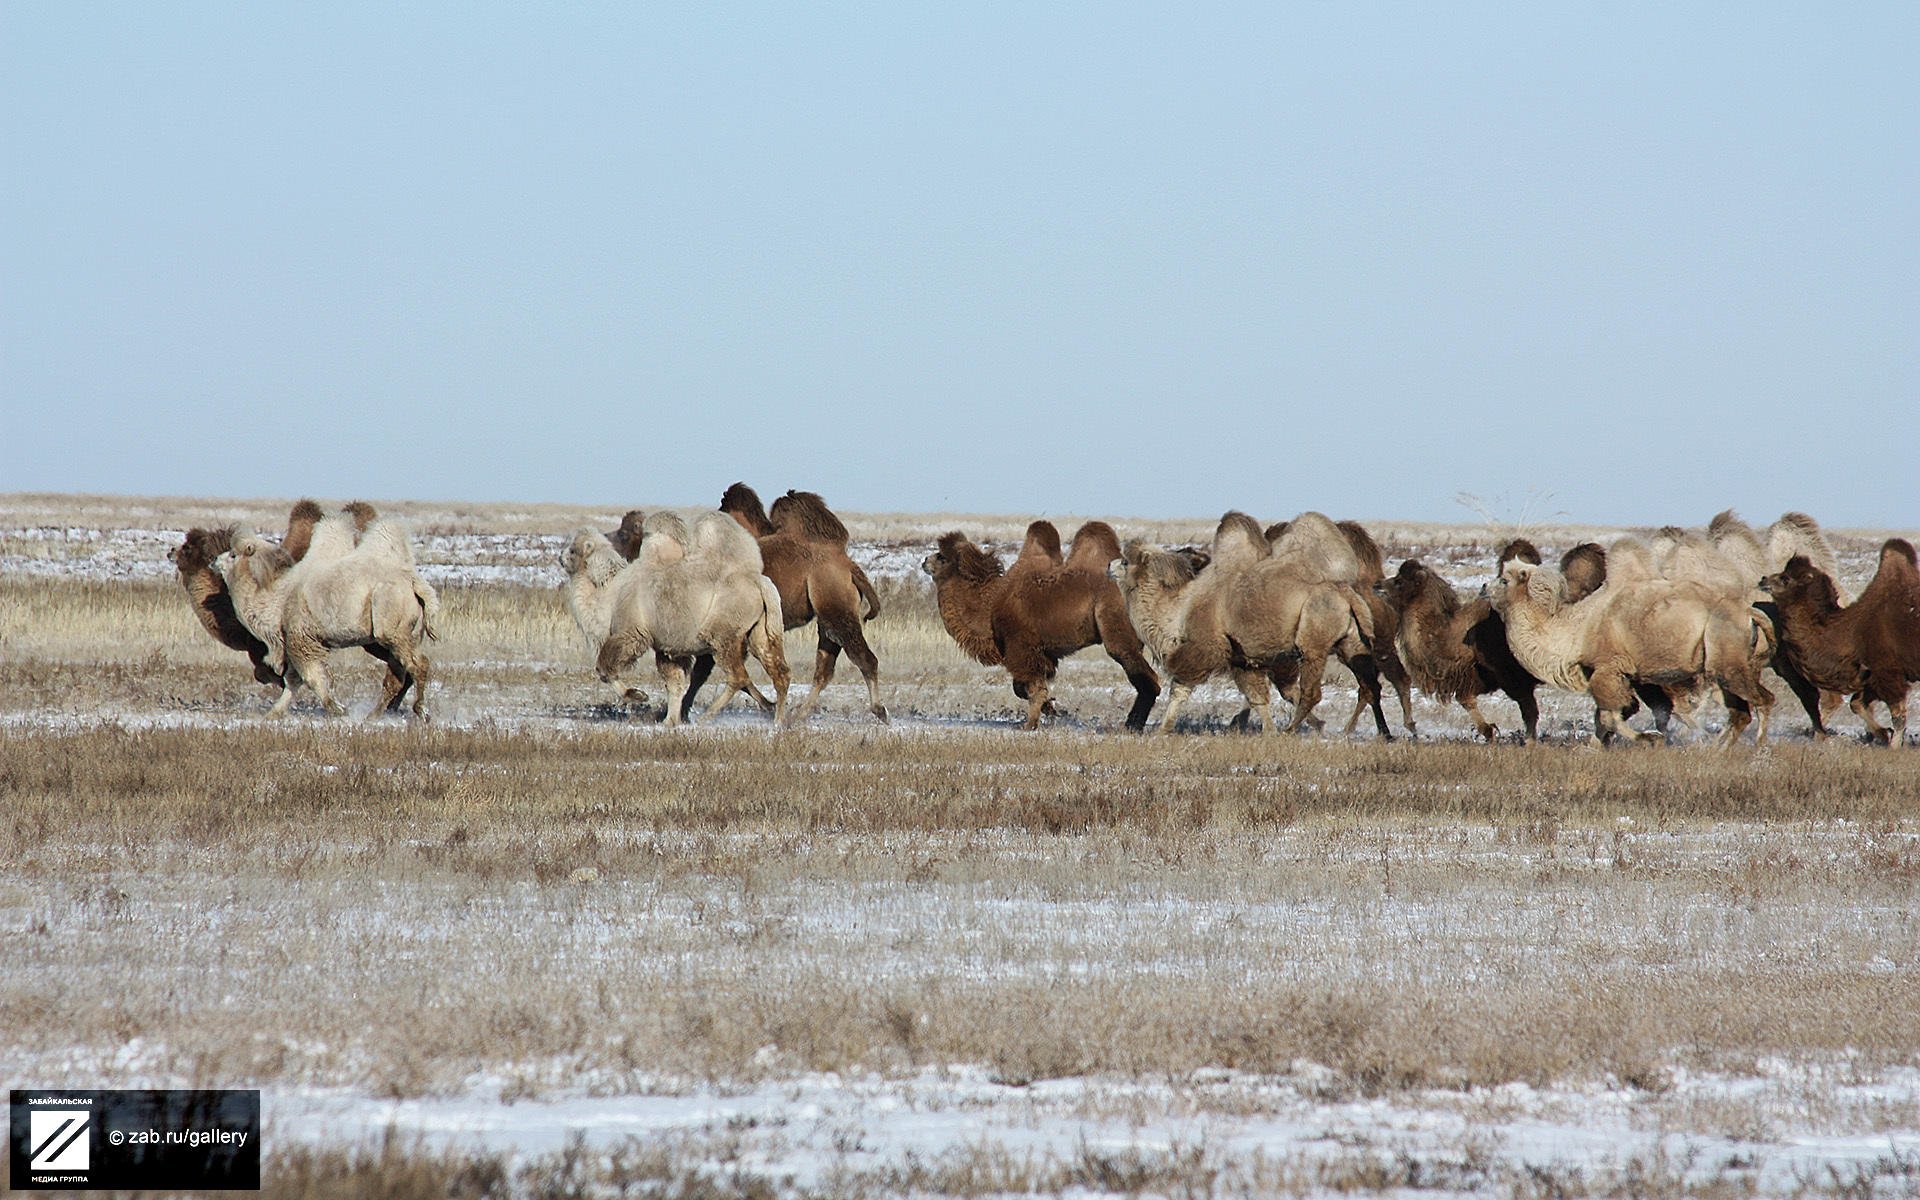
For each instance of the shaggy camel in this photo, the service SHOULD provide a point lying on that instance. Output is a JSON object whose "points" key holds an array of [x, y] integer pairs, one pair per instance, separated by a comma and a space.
{"points": [[1870, 648], [356, 599], [1457, 651], [1345, 552], [1030, 621], [194, 559], [695, 594], [1258, 617], [1652, 631], [212, 602], [595, 569], [803, 550]]}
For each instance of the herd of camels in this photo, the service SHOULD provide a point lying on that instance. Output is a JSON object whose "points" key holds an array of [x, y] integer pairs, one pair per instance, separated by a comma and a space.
{"points": [[1661, 623]]}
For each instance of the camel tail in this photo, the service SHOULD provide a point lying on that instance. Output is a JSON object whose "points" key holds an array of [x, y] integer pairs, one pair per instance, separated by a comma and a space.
{"points": [[773, 622], [429, 609], [1766, 643], [865, 586], [1362, 615]]}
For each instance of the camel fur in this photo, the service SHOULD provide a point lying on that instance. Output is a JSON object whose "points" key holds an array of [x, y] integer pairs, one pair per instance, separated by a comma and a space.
{"points": [[1258, 617], [1028, 622], [693, 593], [1457, 651], [1869, 648], [1651, 631], [304, 610], [803, 550]]}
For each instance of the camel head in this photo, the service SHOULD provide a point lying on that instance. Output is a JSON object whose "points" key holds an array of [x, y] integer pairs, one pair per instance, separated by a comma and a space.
{"points": [[1145, 570], [253, 561], [590, 552], [1406, 586], [1800, 582], [955, 557], [626, 539], [1527, 583], [200, 549]]}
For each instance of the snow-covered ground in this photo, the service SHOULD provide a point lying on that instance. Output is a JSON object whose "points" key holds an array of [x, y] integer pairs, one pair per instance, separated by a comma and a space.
{"points": [[808, 1131]]}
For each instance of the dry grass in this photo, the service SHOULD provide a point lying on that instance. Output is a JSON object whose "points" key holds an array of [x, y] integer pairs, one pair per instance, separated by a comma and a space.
{"points": [[541, 895]]}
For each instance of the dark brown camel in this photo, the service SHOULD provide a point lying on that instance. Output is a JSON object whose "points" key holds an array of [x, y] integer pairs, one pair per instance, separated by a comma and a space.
{"points": [[803, 550], [1029, 621], [1870, 648]]}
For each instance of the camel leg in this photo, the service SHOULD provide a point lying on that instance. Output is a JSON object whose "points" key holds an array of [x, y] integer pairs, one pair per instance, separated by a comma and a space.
{"points": [[1739, 716], [394, 687], [1862, 706], [1611, 695], [1395, 673], [418, 670], [1177, 694], [1481, 725], [673, 675], [1897, 713], [769, 647], [869, 663], [1366, 673], [1312, 667], [825, 659], [315, 673], [1036, 700], [731, 659], [285, 701], [1529, 711], [697, 679], [1123, 646]]}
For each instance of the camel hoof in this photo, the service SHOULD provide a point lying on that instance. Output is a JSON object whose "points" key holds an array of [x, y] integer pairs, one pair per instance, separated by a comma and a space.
{"points": [[880, 711]]}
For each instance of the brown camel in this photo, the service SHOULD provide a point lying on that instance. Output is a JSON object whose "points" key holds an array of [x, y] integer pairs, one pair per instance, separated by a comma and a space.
{"points": [[803, 550], [1029, 621], [212, 602], [1444, 646], [1870, 648]]}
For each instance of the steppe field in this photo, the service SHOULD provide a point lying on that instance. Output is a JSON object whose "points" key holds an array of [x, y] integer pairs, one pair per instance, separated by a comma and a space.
{"points": [[543, 946]]}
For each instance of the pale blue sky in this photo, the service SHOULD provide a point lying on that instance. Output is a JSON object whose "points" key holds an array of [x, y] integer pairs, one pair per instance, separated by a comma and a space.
{"points": [[1650, 259]]}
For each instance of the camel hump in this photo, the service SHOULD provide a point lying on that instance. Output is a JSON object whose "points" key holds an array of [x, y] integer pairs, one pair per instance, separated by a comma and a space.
{"points": [[744, 503], [805, 515], [1898, 548], [1521, 549], [718, 536], [1042, 547], [1373, 564], [1726, 523], [1238, 542], [1095, 544]]}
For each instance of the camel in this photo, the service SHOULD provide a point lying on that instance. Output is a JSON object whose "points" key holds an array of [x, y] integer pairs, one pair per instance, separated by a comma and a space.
{"points": [[1457, 651], [1029, 621], [303, 610], [1258, 616], [803, 550], [691, 594], [194, 559], [1651, 631], [596, 565], [1870, 648], [211, 600], [1345, 552]]}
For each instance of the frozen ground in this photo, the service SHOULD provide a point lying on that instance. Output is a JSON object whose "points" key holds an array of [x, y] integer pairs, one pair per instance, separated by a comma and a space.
{"points": [[1822, 1121], [809, 1131]]}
